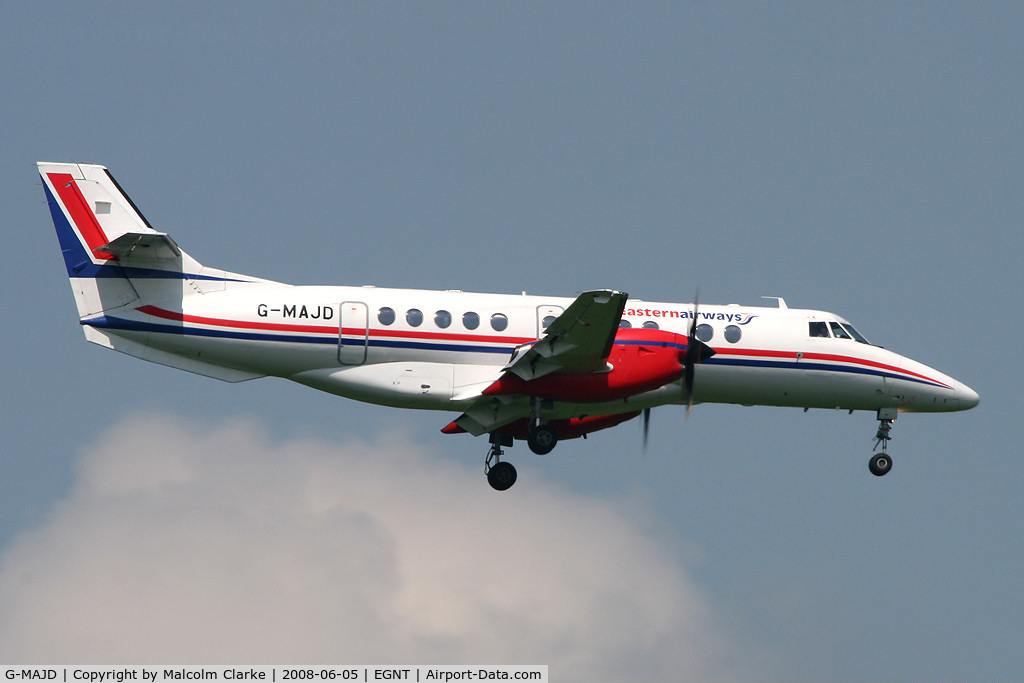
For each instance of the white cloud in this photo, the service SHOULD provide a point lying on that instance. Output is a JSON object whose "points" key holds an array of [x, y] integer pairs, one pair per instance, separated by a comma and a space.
{"points": [[194, 545]]}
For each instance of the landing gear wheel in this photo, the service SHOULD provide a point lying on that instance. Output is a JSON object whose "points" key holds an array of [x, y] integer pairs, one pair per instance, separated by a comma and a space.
{"points": [[542, 439], [880, 464], [501, 476]]}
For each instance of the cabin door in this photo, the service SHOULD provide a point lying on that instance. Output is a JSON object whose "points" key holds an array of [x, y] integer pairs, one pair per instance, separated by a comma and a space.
{"points": [[545, 316], [353, 333]]}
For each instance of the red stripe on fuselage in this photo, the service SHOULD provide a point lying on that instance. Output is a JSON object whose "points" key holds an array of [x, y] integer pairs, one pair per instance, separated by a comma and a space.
{"points": [[177, 316], [831, 357], [241, 324], [481, 338], [81, 214], [442, 336]]}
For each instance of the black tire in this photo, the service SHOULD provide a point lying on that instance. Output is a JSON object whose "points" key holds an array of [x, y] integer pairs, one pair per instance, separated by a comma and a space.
{"points": [[880, 464], [542, 439], [502, 476]]}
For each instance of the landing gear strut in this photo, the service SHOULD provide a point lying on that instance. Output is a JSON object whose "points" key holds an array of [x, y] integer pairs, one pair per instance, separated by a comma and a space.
{"points": [[881, 462], [500, 474]]}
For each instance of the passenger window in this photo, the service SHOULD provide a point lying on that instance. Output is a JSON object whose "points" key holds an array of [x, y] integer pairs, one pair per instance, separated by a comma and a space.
{"points": [[470, 320], [625, 324], [705, 332], [546, 322], [414, 317], [386, 315], [442, 319], [818, 329], [651, 325], [733, 334], [499, 322], [838, 332]]}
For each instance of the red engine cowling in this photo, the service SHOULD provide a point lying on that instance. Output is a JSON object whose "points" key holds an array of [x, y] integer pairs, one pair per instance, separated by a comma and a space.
{"points": [[640, 359], [573, 428]]}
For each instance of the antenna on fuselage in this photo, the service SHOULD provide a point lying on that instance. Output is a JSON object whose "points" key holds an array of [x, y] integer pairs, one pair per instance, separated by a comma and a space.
{"points": [[778, 299]]}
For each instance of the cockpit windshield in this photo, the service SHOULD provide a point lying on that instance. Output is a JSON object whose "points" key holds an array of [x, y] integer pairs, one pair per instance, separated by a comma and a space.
{"points": [[836, 330], [854, 333]]}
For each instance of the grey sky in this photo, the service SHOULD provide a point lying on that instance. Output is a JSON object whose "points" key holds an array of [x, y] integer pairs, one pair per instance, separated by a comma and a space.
{"points": [[863, 159]]}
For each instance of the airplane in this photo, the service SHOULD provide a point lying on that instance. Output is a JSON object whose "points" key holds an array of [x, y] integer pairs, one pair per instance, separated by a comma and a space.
{"points": [[515, 367]]}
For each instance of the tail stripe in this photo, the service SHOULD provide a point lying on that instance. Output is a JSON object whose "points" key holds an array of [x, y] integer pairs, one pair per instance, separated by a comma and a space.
{"points": [[81, 214]]}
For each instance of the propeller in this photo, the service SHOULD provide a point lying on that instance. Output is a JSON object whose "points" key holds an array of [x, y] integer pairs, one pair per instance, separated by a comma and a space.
{"points": [[696, 352], [647, 426]]}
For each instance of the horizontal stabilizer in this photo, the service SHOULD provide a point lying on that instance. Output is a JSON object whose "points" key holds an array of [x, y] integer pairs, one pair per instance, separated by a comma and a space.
{"points": [[137, 246]]}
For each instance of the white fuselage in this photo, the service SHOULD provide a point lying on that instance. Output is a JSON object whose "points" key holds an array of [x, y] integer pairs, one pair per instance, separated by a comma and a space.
{"points": [[439, 349]]}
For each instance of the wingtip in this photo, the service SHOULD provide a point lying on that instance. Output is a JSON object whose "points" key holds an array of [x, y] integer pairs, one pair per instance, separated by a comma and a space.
{"points": [[452, 428]]}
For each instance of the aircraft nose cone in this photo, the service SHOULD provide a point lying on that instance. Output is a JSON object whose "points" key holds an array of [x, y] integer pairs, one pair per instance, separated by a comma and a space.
{"points": [[967, 397]]}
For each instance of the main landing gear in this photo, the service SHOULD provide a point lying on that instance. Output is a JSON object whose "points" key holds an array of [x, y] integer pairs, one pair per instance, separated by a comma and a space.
{"points": [[500, 474], [541, 437], [881, 462]]}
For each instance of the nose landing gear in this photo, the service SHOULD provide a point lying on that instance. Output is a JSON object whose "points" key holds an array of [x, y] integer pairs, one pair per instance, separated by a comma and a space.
{"points": [[881, 462]]}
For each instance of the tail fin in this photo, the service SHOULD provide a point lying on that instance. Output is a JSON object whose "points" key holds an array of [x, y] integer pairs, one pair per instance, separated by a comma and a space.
{"points": [[113, 255], [119, 265], [106, 241]]}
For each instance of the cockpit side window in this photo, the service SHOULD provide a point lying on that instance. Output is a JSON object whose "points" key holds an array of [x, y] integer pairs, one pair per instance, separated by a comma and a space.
{"points": [[838, 332], [818, 329]]}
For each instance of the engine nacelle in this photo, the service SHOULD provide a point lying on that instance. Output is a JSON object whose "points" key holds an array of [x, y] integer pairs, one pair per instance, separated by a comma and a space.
{"points": [[571, 428], [640, 360]]}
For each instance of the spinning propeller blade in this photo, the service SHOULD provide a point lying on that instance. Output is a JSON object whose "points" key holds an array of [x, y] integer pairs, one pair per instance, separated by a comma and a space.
{"points": [[647, 426], [696, 352]]}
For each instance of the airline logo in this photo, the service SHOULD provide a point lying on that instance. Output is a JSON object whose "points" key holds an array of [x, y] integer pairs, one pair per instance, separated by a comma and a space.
{"points": [[735, 318]]}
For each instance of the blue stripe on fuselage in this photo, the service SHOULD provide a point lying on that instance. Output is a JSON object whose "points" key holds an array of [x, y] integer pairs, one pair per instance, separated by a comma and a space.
{"points": [[115, 323], [806, 365], [111, 322]]}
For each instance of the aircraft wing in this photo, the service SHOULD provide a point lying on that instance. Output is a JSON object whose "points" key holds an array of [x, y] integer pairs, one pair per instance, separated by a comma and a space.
{"points": [[578, 341]]}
